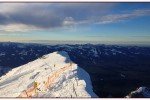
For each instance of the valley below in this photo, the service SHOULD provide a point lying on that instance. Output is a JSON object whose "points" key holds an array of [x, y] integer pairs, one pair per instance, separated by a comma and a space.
{"points": [[115, 70]]}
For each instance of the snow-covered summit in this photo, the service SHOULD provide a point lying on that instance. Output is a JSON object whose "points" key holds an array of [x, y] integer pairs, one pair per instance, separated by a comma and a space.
{"points": [[141, 92], [53, 75]]}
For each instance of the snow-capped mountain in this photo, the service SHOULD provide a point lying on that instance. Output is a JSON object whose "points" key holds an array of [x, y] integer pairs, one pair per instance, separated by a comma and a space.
{"points": [[141, 92], [52, 75]]}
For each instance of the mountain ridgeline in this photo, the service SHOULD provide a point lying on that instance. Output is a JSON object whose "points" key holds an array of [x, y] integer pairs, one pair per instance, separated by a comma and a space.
{"points": [[114, 70], [53, 75]]}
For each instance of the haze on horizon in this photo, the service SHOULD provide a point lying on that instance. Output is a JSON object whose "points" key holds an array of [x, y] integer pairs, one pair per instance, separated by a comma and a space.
{"points": [[103, 22]]}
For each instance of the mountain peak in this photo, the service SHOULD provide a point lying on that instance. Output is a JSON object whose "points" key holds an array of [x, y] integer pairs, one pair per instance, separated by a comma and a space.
{"points": [[52, 75], [141, 92]]}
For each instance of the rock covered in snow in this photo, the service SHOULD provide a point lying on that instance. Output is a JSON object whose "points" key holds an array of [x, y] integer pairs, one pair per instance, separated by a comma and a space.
{"points": [[141, 92], [53, 75]]}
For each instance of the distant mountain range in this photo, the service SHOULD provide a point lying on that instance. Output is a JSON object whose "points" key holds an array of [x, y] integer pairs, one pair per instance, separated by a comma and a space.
{"points": [[115, 70]]}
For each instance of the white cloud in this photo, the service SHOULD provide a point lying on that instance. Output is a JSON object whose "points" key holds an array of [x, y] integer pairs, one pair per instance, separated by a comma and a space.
{"points": [[68, 21], [122, 17], [17, 28], [113, 18]]}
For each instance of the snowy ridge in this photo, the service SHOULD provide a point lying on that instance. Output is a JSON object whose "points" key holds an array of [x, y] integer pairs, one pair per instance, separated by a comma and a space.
{"points": [[53, 75]]}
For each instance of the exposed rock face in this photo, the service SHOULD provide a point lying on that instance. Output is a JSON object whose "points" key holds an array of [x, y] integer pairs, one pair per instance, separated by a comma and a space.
{"points": [[53, 75], [142, 92]]}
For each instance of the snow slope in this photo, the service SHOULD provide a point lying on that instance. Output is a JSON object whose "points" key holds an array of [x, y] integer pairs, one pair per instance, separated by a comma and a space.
{"points": [[141, 92], [53, 75]]}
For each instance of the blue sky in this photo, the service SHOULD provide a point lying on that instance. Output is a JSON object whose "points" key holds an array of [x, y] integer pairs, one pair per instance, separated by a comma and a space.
{"points": [[104, 22]]}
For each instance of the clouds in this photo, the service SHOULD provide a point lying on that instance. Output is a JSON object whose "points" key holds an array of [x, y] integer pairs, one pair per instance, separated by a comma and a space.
{"points": [[113, 18], [122, 17], [17, 28], [68, 21], [22, 17], [46, 15]]}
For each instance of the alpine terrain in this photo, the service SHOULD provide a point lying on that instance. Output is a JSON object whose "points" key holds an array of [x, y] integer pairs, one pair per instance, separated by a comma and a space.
{"points": [[52, 75], [141, 92]]}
